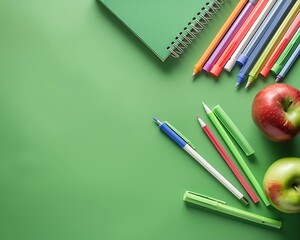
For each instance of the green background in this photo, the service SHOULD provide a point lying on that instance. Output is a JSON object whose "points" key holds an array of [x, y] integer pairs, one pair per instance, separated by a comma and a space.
{"points": [[81, 157]]}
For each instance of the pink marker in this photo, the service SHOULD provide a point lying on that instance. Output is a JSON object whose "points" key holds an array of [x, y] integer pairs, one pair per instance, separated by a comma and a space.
{"points": [[229, 35], [237, 39], [281, 46]]}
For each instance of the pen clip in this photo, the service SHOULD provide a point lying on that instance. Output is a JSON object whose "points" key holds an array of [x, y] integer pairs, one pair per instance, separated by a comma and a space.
{"points": [[180, 135], [206, 197]]}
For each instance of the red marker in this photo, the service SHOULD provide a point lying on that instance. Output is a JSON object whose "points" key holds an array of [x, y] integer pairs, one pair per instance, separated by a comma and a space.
{"points": [[281, 46], [218, 66], [227, 159]]}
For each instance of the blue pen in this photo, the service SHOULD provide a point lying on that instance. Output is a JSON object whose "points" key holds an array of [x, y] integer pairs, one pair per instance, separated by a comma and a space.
{"points": [[280, 14], [288, 64], [184, 143], [242, 59]]}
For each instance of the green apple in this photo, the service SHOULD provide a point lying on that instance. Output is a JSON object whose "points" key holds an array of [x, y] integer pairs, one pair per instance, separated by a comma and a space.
{"points": [[282, 184]]}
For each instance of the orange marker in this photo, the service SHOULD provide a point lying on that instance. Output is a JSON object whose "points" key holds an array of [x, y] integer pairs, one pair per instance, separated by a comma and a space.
{"points": [[218, 66], [280, 47], [219, 36]]}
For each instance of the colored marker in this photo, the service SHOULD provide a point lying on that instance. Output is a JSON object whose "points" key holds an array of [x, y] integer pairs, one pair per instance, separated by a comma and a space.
{"points": [[231, 62], [261, 31], [184, 143], [217, 68], [281, 46], [198, 66], [253, 74], [220, 206], [280, 14], [290, 48], [227, 159], [229, 35], [236, 154], [288, 64]]}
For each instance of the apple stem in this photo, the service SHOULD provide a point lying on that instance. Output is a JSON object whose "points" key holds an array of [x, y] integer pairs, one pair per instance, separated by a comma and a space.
{"points": [[288, 105], [297, 189]]}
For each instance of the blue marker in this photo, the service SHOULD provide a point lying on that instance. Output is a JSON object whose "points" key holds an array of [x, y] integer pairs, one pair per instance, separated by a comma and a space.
{"points": [[280, 14], [288, 64], [184, 143], [242, 59]]}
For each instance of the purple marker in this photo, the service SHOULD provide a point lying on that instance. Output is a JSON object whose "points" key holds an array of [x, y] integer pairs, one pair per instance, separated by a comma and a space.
{"points": [[229, 35]]}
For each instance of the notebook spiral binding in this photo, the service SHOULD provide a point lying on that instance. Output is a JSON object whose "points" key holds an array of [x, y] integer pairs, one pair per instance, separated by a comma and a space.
{"points": [[198, 23]]}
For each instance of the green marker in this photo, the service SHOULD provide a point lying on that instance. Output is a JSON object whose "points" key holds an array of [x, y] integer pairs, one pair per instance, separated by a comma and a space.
{"points": [[236, 154], [221, 206], [233, 130], [287, 52]]}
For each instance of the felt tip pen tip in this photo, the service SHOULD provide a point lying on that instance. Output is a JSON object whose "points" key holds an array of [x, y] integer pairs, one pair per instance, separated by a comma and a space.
{"points": [[206, 108], [244, 201], [237, 85], [201, 122], [156, 121], [194, 75], [278, 79], [248, 84]]}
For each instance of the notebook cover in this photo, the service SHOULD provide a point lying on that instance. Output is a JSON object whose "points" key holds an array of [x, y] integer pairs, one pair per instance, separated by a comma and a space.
{"points": [[158, 22]]}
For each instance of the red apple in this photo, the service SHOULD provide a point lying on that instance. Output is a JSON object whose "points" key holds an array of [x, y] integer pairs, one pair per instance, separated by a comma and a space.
{"points": [[282, 184], [276, 111]]}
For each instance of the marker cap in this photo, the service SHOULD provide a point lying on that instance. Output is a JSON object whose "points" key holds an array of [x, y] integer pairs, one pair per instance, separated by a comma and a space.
{"points": [[264, 72], [229, 65], [242, 59], [207, 67], [276, 68], [216, 70], [233, 130]]}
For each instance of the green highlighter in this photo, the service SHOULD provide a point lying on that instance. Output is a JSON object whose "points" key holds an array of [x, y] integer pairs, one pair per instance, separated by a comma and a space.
{"points": [[221, 206], [233, 130]]}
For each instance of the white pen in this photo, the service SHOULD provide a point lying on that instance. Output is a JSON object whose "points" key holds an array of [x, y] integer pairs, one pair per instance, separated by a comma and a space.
{"points": [[231, 62], [184, 143]]}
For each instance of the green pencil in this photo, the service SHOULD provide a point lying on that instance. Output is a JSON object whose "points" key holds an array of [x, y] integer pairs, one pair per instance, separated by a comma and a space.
{"points": [[236, 154]]}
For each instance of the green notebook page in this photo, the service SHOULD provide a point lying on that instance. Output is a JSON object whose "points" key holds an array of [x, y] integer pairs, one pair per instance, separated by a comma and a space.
{"points": [[158, 22]]}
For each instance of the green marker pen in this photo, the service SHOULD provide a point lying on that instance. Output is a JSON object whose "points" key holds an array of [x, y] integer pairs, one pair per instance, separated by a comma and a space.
{"points": [[221, 206], [236, 154]]}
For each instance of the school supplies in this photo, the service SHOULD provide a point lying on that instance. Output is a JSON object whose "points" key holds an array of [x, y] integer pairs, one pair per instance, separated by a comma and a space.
{"points": [[221, 206], [231, 62], [183, 142], [281, 46], [285, 55], [198, 66], [233, 130], [236, 154], [243, 58], [229, 35], [227, 159], [268, 34], [237, 39], [166, 27], [288, 64], [272, 44]]}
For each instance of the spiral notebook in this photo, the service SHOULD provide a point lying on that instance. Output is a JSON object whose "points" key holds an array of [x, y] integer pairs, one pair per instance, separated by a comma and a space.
{"points": [[168, 27]]}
